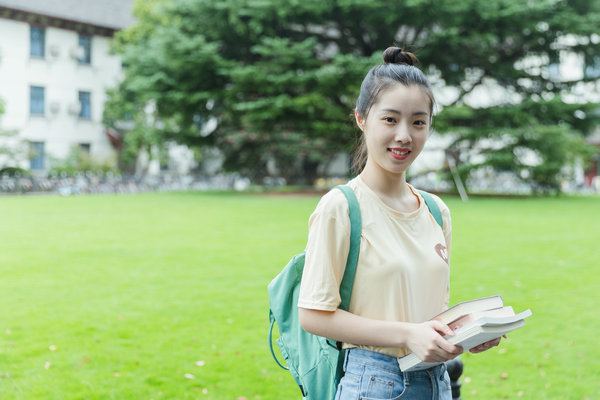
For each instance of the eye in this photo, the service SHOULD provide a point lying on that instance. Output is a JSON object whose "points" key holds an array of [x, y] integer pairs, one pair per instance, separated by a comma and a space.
{"points": [[389, 120], [420, 123]]}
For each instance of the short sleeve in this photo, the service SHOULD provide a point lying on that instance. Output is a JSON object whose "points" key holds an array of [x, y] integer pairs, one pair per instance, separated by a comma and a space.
{"points": [[326, 253]]}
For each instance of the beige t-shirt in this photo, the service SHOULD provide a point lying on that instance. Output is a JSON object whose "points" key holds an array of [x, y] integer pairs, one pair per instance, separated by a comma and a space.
{"points": [[402, 272]]}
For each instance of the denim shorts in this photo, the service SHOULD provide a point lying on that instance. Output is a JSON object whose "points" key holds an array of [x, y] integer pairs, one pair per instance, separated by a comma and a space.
{"points": [[375, 376]]}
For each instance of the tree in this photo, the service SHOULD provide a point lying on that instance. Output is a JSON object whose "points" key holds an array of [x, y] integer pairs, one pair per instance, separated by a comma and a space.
{"points": [[535, 139], [281, 77], [11, 148]]}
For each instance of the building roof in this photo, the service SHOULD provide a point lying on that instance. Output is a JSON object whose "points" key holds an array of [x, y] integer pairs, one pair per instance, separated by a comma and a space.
{"points": [[111, 14]]}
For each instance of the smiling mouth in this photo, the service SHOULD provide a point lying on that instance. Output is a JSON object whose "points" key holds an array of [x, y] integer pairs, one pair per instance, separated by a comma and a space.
{"points": [[399, 154]]}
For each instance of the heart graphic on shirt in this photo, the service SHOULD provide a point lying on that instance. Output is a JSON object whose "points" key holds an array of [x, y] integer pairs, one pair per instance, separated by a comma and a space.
{"points": [[442, 252]]}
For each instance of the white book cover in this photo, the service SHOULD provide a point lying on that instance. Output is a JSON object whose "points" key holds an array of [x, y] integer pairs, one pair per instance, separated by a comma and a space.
{"points": [[473, 334]]}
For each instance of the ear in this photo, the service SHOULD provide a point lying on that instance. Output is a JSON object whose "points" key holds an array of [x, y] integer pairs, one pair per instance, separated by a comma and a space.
{"points": [[359, 120]]}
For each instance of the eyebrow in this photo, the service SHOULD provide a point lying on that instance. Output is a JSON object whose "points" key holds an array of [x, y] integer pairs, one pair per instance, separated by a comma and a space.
{"points": [[399, 113]]}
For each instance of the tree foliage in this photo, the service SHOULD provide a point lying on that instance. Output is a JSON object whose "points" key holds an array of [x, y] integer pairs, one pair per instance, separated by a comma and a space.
{"points": [[281, 77], [534, 139], [11, 147]]}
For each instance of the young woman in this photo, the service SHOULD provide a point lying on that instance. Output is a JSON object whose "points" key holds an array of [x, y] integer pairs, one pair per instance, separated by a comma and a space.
{"points": [[402, 276]]}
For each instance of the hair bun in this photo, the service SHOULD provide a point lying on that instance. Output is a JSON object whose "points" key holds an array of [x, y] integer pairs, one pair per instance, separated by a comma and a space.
{"points": [[395, 55]]}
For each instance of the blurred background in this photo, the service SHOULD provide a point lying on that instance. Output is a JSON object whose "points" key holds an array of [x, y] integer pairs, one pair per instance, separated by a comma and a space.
{"points": [[124, 95], [163, 295]]}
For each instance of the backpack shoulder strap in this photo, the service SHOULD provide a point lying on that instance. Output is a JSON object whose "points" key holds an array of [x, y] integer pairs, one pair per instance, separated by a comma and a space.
{"points": [[355, 232], [434, 209]]}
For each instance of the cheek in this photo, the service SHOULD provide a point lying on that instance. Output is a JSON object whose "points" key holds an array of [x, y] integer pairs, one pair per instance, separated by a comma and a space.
{"points": [[370, 142], [418, 143], [375, 139], [421, 137]]}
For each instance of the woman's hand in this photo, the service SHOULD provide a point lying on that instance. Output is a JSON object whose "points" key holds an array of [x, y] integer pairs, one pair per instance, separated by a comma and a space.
{"points": [[487, 345], [427, 341]]}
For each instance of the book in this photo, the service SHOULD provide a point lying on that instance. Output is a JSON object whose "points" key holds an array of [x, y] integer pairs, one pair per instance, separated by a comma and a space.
{"points": [[471, 306], [468, 318], [471, 330]]}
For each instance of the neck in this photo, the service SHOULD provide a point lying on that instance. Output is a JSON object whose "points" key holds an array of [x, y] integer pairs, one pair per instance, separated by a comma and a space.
{"points": [[385, 183], [392, 189]]}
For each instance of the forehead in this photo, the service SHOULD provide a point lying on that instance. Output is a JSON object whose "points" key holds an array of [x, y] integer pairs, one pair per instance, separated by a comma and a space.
{"points": [[403, 98]]}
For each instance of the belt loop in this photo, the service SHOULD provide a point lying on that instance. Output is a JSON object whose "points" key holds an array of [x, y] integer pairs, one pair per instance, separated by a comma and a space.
{"points": [[405, 375], [346, 356]]}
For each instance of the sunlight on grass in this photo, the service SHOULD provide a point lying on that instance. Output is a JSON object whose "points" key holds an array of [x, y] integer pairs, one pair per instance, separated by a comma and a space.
{"points": [[164, 295]]}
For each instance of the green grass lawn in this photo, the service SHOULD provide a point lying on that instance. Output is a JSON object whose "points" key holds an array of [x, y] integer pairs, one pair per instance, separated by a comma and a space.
{"points": [[163, 296]]}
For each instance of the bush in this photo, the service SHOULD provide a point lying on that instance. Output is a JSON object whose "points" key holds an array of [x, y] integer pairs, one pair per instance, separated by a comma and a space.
{"points": [[78, 161], [13, 172]]}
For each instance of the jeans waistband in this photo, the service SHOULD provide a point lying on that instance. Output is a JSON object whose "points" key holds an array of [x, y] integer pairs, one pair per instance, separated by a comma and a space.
{"points": [[387, 362]]}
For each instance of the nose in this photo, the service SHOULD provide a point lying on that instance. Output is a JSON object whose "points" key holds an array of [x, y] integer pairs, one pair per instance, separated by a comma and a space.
{"points": [[402, 134]]}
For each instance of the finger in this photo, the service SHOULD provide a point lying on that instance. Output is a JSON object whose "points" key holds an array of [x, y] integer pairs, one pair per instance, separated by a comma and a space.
{"points": [[482, 347], [436, 358], [479, 349], [444, 356], [442, 328], [492, 343], [438, 354], [449, 350], [485, 346]]}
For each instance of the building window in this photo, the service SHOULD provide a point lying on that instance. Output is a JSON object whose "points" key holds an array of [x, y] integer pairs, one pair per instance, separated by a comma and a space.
{"points": [[36, 158], [554, 71], [85, 108], [592, 68], [85, 148], [37, 39], [85, 49], [36, 100]]}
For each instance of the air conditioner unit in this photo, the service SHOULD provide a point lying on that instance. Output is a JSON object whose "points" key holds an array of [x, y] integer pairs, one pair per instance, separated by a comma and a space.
{"points": [[54, 107], [54, 50], [75, 108]]}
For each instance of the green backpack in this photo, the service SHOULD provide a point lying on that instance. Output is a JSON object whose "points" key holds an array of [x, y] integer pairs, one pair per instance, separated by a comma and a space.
{"points": [[315, 362]]}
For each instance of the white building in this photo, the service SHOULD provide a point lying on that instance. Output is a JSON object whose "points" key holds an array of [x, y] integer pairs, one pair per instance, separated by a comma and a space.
{"points": [[55, 66]]}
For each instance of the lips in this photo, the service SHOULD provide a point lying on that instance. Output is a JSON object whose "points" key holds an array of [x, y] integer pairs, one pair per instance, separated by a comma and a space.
{"points": [[399, 153]]}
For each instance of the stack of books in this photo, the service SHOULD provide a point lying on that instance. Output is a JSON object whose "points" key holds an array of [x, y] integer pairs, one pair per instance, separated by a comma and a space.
{"points": [[474, 322]]}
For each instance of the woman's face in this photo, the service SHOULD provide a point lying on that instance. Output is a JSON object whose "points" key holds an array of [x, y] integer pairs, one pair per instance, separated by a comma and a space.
{"points": [[396, 128]]}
